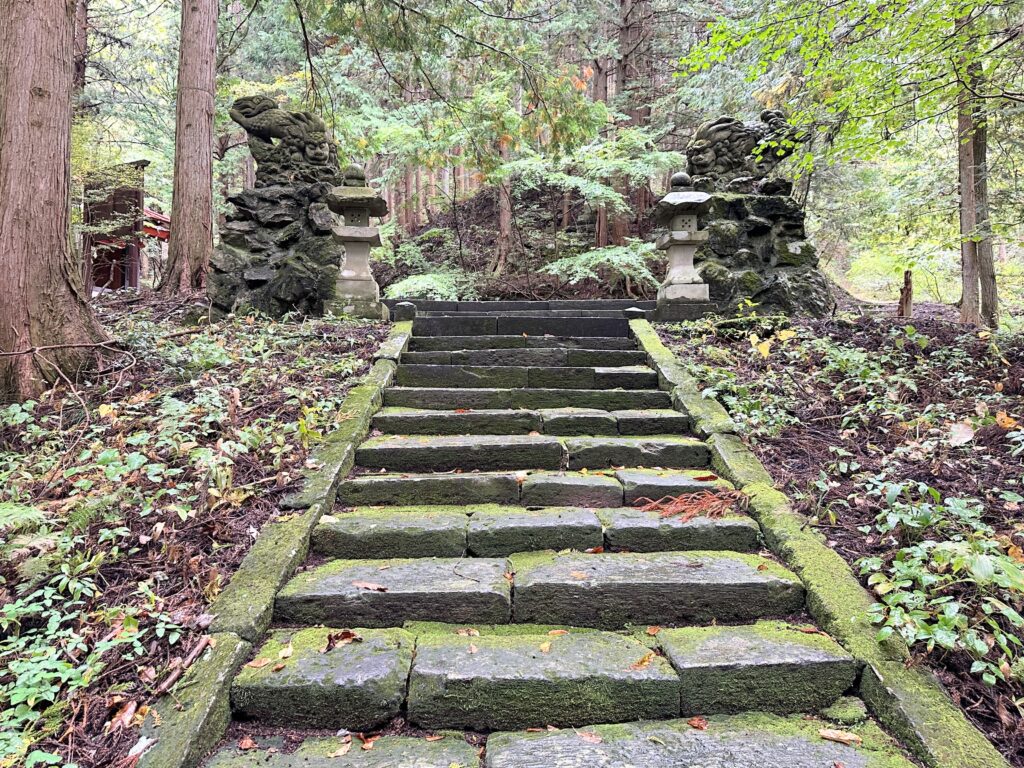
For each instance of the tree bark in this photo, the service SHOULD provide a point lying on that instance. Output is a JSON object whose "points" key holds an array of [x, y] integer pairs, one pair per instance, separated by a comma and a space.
{"points": [[983, 221], [44, 317], [970, 309], [191, 243], [906, 306], [81, 46]]}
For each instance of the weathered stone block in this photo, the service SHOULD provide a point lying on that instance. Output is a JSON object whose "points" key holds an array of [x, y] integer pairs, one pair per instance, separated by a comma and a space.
{"points": [[357, 685], [502, 531], [468, 452], [612, 590], [567, 489], [661, 451], [382, 593], [523, 681], [410, 490], [370, 532], [765, 667], [631, 530]]}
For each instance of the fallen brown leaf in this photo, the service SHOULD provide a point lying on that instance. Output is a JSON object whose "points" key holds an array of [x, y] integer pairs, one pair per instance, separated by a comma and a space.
{"points": [[698, 722], [246, 743], [258, 663], [369, 585], [590, 737], [842, 737]]}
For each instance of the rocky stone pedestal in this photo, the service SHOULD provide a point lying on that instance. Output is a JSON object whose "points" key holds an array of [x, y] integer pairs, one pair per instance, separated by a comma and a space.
{"points": [[277, 252], [757, 251], [684, 294]]}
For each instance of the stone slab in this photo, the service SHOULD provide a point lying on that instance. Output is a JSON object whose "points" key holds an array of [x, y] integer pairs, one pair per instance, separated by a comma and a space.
{"points": [[631, 530], [485, 421], [381, 593], [604, 357], [440, 453], [431, 398], [625, 377], [655, 484], [455, 326], [665, 588], [450, 343], [578, 421], [748, 741], [770, 666], [562, 378], [514, 357], [605, 399], [388, 752], [427, 358], [651, 451], [570, 489], [359, 685], [371, 532], [654, 421], [534, 680], [502, 531], [408, 490], [462, 376], [561, 326]]}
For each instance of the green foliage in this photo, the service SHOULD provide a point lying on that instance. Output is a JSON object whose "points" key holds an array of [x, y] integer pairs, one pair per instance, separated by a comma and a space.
{"points": [[443, 285], [205, 428], [615, 264]]}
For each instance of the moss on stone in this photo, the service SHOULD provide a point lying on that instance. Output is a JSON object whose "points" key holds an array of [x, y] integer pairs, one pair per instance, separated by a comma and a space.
{"points": [[735, 462], [186, 723], [245, 607], [848, 710]]}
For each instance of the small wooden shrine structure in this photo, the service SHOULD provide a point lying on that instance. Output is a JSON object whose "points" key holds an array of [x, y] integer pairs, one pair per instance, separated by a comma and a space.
{"points": [[115, 221]]}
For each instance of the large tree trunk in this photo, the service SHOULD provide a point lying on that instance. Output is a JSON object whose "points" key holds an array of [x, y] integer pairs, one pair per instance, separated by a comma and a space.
{"points": [[983, 221], [191, 244], [44, 318]]}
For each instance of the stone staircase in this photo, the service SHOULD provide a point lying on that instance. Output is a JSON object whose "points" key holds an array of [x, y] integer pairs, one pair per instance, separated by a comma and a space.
{"points": [[487, 571]]}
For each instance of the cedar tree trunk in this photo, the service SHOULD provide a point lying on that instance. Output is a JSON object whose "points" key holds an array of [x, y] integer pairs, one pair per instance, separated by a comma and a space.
{"points": [[43, 312], [191, 243]]}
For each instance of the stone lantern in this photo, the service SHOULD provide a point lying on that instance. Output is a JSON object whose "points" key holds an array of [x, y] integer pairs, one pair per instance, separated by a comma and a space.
{"points": [[684, 294], [357, 292]]}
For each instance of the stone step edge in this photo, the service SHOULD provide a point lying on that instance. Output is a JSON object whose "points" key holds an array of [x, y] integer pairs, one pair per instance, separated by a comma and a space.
{"points": [[562, 422], [722, 737], [499, 531], [782, 668]]}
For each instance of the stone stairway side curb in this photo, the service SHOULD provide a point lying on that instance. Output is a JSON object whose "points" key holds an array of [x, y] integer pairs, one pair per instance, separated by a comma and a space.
{"points": [[245, 607], [910, 702], [396, 343], [188, 722], [708, 415]]}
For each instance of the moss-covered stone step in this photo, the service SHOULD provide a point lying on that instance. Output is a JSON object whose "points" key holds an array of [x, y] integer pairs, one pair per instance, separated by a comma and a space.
{"points": [[496, 532], [745, 741], [486, 421], [440, 398], [433, 489], [631, 530], [441, 453], [496, 376], [570, 489], [491, 530], [451, 751], [379, 532], [458, 343], [770, 666], [538, 357], [665, 588], [385, 593], [513, 680], [504, 325], [295, 680], [549, 421], [655, 484], [669, 451]]}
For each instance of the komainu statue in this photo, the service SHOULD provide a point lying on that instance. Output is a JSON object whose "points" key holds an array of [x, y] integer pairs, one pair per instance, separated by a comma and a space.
{"points": [[727, 154], [288, 147]]}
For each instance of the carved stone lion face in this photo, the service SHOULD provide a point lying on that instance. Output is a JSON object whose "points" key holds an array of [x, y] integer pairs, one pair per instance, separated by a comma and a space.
{"points": [[702, 157], [317, 150]]}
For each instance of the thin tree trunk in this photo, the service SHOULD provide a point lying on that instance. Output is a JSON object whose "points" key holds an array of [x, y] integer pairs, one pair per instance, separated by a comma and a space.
{"points": [[906, 306], [42, 302], [504, 249], [983, 221], [81, 46], [970, 310], [191, 244]]}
